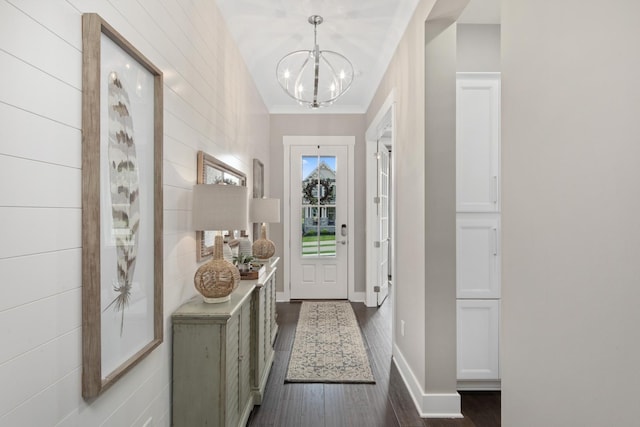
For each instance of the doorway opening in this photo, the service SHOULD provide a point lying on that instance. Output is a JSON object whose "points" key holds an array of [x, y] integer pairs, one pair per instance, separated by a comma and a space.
{"points": [[319, 218], [380, 170]]}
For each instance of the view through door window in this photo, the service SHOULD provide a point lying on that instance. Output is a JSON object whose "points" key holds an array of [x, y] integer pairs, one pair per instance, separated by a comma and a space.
{"points": [[318, 206]]}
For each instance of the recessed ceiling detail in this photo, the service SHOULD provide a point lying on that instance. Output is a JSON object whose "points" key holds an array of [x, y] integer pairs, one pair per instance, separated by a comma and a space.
{"points": [[367, 32]]}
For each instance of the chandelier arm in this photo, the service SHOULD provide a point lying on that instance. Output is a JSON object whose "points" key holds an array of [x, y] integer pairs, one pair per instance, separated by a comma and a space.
{"points": [[333, 74], [299, 77], [349, 82]]}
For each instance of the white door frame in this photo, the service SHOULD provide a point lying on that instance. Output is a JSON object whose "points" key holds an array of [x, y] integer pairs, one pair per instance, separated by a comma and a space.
{"points": [[349, 142], [385, 115]]}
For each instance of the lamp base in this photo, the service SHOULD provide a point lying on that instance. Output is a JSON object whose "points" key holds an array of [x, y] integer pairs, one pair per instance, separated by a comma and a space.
{"points": [[217, 300], [216, 279]]}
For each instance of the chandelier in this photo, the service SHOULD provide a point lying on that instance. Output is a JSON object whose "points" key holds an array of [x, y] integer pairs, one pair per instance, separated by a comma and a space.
{"points": [[315, 78]]}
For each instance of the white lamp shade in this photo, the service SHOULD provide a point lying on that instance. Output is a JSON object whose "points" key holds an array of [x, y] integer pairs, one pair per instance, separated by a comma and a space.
{"points": [[219, 207], [264, 210]]}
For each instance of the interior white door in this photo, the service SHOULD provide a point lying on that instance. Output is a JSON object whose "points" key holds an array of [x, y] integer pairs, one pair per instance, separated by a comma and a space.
{"points": [[319, 222], [382, 240]]}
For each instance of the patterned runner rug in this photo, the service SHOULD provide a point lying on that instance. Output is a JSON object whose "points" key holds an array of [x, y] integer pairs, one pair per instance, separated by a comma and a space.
{"points": [[328, 346]]}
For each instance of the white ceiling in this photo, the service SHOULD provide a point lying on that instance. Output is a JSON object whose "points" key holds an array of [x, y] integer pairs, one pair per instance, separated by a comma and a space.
{"points": [[365, 31]]}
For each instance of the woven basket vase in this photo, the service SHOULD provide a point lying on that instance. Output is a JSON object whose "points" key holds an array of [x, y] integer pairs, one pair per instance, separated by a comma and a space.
{"points": [[263, 248], [216, 279]]}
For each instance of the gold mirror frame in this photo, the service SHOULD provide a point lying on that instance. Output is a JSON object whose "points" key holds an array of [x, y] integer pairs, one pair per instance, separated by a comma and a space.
{"points": [[213, 171]]}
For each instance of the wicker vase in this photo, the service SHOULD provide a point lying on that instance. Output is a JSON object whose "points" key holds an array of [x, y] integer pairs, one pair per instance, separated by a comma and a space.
{"points": [[263, 248], [217, 278]]}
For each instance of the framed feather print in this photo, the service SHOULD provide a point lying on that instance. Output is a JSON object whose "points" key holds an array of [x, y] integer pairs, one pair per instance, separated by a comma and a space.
{"points": [[121, 206]]}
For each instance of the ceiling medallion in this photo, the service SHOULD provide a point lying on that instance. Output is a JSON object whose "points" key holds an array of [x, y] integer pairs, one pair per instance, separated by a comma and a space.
{"points": [[315, 78]]}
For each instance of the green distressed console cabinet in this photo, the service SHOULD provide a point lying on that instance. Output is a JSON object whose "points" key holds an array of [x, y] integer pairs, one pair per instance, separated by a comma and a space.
{"points": [[222, 354]]}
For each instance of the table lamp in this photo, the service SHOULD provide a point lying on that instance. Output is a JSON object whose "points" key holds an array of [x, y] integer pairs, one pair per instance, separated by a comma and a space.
{"points": [[215, 208]]}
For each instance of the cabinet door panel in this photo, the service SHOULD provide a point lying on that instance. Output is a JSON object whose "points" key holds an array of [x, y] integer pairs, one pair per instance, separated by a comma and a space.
{"points": [[478, 143], [478, 257], [273, 314], [233, 371], [478, 339], [244, 359]]}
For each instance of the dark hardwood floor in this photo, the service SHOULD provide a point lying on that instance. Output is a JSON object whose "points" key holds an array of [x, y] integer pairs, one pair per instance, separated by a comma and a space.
{"points": [[386, 403]]}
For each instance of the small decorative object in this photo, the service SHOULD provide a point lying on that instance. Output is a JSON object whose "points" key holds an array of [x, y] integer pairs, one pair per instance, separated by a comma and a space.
{"points": [[227, 252], [122, 319], [315, 78], [264, 210], [244, 244], [254, 271], [243, 262], [218, 207]]}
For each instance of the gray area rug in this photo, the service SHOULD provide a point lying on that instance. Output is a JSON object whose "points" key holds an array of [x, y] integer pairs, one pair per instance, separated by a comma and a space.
{"points": [[328, 346]]}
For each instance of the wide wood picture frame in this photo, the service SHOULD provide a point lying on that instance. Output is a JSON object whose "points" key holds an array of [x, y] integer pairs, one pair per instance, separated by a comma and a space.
{"points": [[122, 251], [213, 171]]}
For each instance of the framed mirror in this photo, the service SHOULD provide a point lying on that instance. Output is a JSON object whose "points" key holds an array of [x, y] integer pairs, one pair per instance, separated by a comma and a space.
{"points": [[213, 171], [258, 191]]}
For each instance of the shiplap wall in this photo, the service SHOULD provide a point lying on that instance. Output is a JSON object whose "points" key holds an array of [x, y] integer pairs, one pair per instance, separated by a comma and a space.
{"points": [[210, 104]]}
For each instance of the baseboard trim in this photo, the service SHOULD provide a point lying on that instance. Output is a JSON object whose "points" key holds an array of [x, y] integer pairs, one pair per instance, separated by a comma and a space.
{"points": [[479, 385], [357, 297], [429, 405]]}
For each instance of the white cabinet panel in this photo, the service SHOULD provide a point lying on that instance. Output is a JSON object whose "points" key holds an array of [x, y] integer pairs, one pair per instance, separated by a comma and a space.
{"points": [[478, 256], [478, 252], [478, 339], [478, 143]]}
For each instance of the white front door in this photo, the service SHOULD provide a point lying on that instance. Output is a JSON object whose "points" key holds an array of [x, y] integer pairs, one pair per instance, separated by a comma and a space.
{"points": [[319, 221]]}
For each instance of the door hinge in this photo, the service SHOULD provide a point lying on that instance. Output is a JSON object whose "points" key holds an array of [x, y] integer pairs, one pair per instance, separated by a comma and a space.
{"points": [[376, 200], [376, 289], [376, 244]]}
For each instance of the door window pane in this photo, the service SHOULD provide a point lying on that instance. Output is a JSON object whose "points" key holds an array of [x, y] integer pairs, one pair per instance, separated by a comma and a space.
{"points": [[327, 237], [318, 206]]}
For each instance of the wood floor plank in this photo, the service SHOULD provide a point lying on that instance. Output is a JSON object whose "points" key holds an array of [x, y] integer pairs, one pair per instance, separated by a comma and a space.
{"points": [[384, 404]]}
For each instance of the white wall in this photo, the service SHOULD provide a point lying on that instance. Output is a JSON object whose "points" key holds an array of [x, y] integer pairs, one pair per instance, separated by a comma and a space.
{"points": [[570, 150], [210, 103], [320, 125], [405, 76], [478, 47], [440, 219], [425, 228]]}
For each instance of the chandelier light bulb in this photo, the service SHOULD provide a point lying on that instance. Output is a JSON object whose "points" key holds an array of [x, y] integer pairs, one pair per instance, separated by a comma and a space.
{"points": [[315, 69]]}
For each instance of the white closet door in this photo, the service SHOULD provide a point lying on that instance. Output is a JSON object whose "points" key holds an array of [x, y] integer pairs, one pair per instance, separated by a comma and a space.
{"points": [[478, 256], [477, 143], [478, 339]]}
